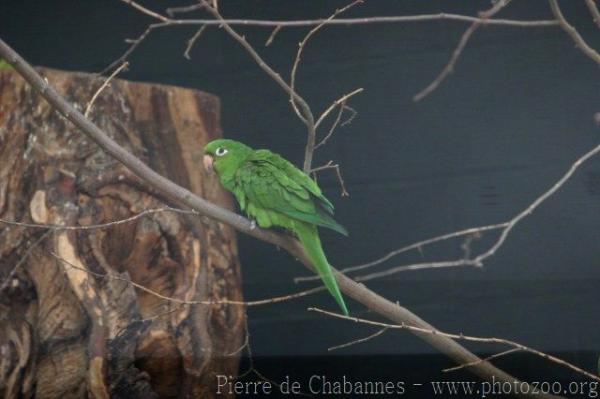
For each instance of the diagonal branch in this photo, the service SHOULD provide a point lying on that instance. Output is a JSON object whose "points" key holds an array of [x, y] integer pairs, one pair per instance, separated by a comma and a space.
{"points": [[449, 68], [90, 104], [571, 31], [261, 63], [359, 292], [593, 7], [462, 337], [473, 231]]}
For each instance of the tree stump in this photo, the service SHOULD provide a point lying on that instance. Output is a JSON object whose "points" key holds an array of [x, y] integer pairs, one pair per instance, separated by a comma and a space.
{"points": [[71, 322]]}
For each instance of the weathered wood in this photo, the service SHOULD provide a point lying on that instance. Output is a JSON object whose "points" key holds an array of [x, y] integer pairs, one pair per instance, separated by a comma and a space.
{"points": [[67, 333]]}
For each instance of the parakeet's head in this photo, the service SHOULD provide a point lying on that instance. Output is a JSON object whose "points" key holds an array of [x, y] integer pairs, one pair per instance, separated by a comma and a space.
{"points": [[225, 155]]}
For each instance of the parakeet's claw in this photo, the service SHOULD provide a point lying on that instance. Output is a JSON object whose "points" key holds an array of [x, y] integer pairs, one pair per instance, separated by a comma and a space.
{"points": [[253, 225]]}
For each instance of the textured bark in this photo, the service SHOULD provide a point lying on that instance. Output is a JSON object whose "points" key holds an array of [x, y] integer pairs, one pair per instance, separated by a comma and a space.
{"points": [[65, 332]]}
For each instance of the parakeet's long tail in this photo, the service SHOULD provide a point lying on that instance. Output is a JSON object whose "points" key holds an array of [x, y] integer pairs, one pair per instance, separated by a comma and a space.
{"points": [[309, 237]]}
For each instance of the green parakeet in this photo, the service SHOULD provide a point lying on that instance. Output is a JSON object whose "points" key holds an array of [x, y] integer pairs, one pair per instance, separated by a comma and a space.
{"points": [[273, 192]]}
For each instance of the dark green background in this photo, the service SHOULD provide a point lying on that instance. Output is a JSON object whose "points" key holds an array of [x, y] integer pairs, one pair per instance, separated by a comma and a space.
{"points": [[500, 131]]}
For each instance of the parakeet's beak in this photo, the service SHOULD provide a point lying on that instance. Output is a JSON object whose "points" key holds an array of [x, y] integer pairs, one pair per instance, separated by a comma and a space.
{"points": [[208, 163]]}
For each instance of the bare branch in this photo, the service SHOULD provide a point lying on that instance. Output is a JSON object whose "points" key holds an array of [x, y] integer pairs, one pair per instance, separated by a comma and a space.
{"points": [[89, 106], [449, 68], [473, 231], [258, 59], [333, 126], [343, 99], [571, 31], [594, 11], [494, 356], [336, 122], [134, 45], [192, 41], [102, 225], [462, 337], [336, 167], [171, 11], [535, 204], [359, 341], [418, 266], [146, 11], [184, 302], [272, 36]]}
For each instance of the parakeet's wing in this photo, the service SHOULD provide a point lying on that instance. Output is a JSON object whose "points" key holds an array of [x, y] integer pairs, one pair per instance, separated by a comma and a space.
{"points": [[272, 183]]}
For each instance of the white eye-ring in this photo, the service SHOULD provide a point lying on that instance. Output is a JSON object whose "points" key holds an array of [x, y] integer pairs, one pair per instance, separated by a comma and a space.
{"points": [[221, 151]]}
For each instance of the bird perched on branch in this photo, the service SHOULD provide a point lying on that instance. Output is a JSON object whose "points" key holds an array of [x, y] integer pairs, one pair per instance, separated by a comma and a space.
{"points": [[273, 192]]}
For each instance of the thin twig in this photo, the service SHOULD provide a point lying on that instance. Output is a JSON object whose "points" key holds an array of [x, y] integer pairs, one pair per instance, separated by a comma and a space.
{"points": [[10, 275], [449, 68], [358, 341], [334, 125], [593, 7], [259, 302], [101, 225], [328, 165], [171, 11], [192, 41], [462, 337], [107, 81], [336, 103], [418, 266], [134, 45], [417, 245], [246, 343], [336, 168], [535, 204], [272, 36], [258, 59], [145, 10], [494, 356], [571, 31]]}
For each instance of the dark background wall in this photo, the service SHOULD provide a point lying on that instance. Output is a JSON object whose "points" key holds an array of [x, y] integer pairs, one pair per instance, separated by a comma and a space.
{"points": [[499, 132]]}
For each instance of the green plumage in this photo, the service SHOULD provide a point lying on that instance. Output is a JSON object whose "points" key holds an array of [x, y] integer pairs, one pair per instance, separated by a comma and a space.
{"points": [[272, 191]]}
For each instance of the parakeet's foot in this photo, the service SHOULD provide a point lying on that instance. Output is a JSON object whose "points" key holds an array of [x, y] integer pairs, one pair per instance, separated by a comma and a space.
{"points": [[253, 224]]}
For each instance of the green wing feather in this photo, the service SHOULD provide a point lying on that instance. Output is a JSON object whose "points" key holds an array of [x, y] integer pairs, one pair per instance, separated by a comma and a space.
{"points": [[276, 184], [276, 193]]}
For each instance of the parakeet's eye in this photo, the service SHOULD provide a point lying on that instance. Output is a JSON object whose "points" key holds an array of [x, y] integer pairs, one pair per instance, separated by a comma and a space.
{"points": [[221, 151]]}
